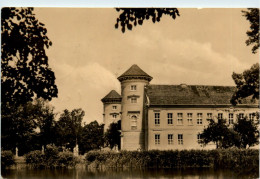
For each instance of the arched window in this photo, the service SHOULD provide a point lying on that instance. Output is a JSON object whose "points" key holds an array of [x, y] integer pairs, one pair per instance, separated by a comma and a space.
{"points": [[133, 122]]}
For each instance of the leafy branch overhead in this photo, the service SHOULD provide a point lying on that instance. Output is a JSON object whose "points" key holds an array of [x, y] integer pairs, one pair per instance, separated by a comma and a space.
{"points": [[25, 70], [247, 84], [252, 15], [130, 17]]}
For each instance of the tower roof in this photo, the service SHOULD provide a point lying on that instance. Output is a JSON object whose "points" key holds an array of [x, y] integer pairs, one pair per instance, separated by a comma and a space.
{"points": [[134, 72], [112, 96]]}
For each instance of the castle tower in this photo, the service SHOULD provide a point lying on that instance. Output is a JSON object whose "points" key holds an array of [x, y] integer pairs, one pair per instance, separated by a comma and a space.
{"points": [[112, 108], [133, 82]]}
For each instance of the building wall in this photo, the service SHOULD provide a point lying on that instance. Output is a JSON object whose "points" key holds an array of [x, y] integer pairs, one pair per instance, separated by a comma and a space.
{"points": [[111, 115], [132, 130], [189, 131]]}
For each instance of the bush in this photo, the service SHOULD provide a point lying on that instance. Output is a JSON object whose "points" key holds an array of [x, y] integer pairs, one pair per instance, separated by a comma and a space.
{"points": [[7, 159], [35, 159], [52, 158], [66, 159]]}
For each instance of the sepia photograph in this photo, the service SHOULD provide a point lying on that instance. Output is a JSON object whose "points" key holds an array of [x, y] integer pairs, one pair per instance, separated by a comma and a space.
{"points": [[129, 93]]}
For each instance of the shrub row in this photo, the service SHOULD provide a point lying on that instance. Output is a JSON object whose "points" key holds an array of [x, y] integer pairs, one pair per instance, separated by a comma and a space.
{"points": [[52, 158], [226, 159], [7, 159]]}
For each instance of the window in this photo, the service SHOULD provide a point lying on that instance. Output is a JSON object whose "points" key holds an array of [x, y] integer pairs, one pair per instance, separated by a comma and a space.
{"points": [[157, 139], [114, 107], [209, 115], [199, 118], [169, 115], [180, 139], [230, 118], [189, 118], [241, 115], [179, 119], [251, 116], [134, 122], [199, 138], [220, 115], [133, 88], [114, 116], [170, 139], [157, 118], [133, 100]]}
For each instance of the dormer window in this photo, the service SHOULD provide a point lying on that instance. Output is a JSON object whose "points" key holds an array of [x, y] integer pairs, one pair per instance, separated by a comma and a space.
{"points": [[133, 87]]}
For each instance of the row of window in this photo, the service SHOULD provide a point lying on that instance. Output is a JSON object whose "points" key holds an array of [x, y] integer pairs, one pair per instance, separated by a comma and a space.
{"points": [[157, 139], [199, 118]]}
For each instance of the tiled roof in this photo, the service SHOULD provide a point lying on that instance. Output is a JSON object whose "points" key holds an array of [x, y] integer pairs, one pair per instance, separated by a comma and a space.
{"points": [[191, 95], [134, 71], [112, 95]]}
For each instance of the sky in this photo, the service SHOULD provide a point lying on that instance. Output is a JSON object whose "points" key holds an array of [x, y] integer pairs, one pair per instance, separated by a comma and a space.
{"points": [[201, 46]]}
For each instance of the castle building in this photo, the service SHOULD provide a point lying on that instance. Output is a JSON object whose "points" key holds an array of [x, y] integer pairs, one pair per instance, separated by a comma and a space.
{"points": [[168, 117]]}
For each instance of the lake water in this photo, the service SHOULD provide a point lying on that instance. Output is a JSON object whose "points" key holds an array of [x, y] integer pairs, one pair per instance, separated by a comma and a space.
{"points": [[121, 173]]}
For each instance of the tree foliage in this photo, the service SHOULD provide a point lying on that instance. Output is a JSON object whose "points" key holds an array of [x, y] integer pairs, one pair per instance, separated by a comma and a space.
{"points": [[130, 17], [247, 84], [91, 137], [19, 127], [219, 133], [112, 135], [69, 127], [248, 131], [25, 72], [252, 15], [242, 134]]}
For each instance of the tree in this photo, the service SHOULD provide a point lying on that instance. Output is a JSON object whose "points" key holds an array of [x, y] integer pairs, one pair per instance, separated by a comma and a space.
{"points": [[220, 134], [92, 137], [112, 135], [247, 84], [25, 75], [45, 122], [248, 131], [25, 71], [252, 15], [69, 127], [20, 127], [134, 16]]}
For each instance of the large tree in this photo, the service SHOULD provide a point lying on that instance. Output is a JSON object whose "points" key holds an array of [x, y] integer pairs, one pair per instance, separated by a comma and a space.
{"points": [[91, 137], [130, 17], [252, 15], [69, 128], [25, 71], [28, 127], [248, 131], [112, 135], [219, 133], [247, 84], [45, 121]]}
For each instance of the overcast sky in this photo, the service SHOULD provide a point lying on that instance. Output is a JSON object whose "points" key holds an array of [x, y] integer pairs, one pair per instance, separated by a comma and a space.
{"points": [[202, 46]]}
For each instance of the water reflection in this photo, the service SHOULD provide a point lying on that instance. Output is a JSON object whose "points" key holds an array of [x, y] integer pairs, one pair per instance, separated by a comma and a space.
{"points": [[120, 173]]}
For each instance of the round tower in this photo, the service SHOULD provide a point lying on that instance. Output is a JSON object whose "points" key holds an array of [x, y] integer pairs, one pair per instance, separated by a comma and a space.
{"points": [[133, 82], [112, 108]]}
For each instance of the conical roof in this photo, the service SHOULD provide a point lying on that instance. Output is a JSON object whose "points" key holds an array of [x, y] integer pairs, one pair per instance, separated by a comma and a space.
{"points": [[112, 96], [134, 72]]}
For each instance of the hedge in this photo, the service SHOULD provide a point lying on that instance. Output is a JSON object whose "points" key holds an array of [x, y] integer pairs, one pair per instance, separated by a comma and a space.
{"points": [[238, 159]]}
